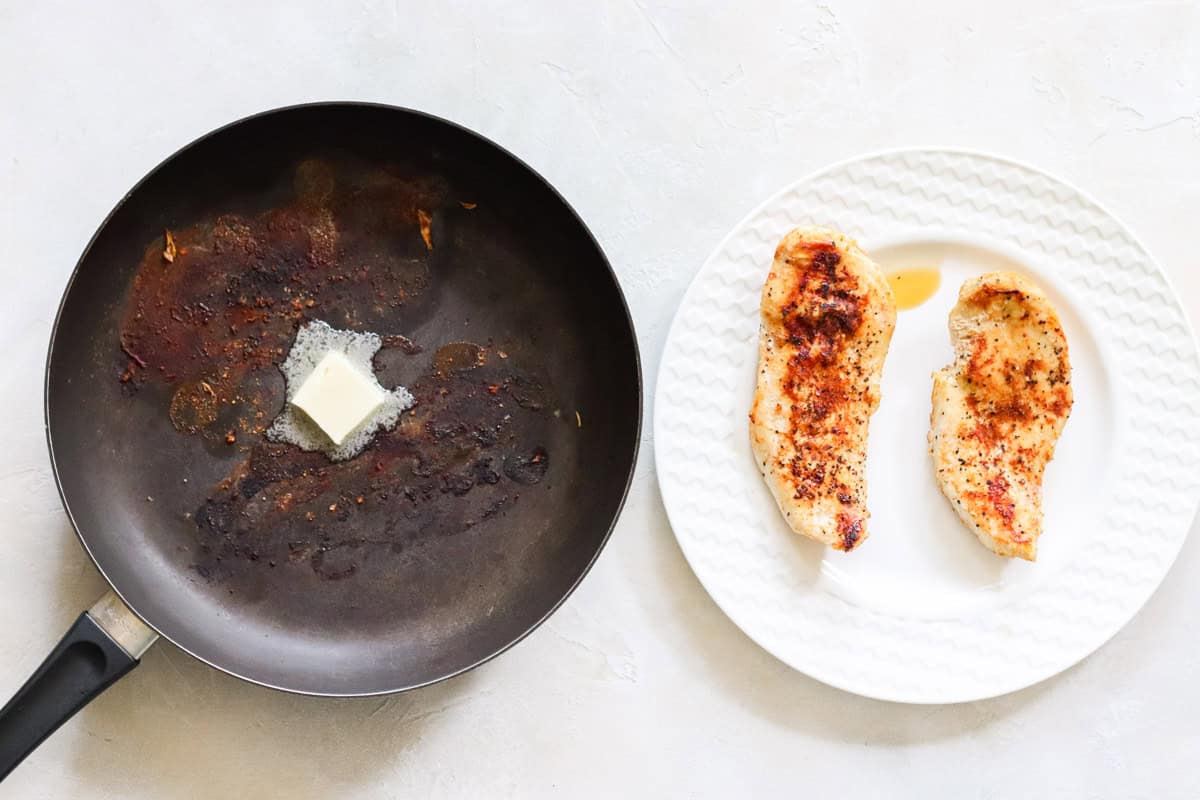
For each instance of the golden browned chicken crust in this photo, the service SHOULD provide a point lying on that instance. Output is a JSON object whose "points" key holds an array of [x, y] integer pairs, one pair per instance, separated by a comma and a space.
{"points": [[999, 408], [827, 320]]}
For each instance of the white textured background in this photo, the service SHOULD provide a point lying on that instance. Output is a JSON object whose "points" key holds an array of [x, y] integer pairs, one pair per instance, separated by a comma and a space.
{"points": [[663, 124]]}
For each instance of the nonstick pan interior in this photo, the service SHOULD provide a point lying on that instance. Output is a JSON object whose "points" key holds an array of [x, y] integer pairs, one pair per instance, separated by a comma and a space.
{"points": [[440, 546]]}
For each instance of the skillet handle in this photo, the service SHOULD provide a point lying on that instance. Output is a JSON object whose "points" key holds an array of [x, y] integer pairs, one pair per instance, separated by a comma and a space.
{"points": [[104, 643]]}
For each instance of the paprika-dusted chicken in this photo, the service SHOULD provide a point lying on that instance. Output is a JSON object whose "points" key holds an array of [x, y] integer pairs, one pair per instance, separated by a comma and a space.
{"points": [[999, 408], [827, 320]]}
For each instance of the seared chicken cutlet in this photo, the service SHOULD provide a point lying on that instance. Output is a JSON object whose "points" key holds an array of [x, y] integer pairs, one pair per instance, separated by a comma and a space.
{"points": [[827, 320], [999, 408]]}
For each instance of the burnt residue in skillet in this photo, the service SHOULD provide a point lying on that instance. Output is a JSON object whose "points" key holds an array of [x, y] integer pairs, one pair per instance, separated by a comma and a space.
{"points": [[213, 322], [446, 467], [220, 314]]}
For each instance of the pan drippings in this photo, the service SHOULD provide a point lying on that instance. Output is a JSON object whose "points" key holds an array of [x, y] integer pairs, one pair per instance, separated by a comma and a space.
{"points": [[214, 323], [458, 458], [225, 309]]}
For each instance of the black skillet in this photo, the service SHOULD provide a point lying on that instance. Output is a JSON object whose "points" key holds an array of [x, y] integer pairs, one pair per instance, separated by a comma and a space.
{"points": [[451, 537]]}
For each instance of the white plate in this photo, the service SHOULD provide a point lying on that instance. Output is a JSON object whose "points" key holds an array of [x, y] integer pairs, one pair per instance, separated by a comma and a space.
{"points": [[922, 613]]}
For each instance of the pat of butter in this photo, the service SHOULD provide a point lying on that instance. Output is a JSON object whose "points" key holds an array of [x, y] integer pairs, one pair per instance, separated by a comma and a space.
{"points": [[338, 397]]}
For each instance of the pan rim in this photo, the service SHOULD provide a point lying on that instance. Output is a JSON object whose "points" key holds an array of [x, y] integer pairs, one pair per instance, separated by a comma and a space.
{"points": [[517, 161]]}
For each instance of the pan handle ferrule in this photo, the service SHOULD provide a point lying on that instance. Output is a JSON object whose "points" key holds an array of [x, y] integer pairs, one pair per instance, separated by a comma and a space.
{"points": [[122, 625]]}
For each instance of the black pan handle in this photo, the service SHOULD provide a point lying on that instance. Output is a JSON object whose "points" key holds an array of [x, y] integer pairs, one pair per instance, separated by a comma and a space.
{"points": [[103, 644]]}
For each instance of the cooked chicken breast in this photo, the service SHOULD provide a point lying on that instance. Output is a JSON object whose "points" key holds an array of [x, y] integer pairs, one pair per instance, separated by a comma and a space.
{"points": [[999, 408], [827, 319]]}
